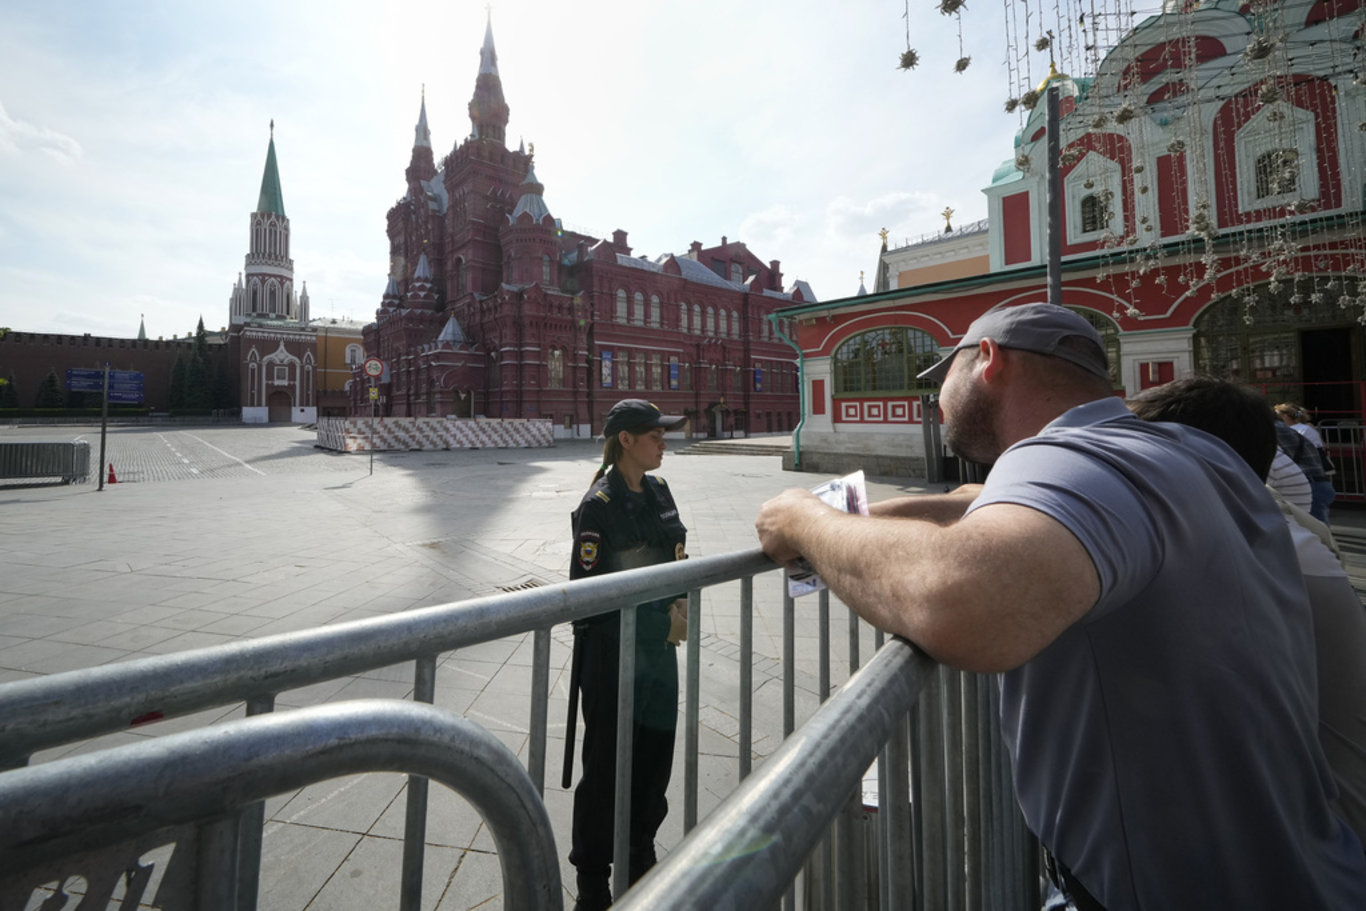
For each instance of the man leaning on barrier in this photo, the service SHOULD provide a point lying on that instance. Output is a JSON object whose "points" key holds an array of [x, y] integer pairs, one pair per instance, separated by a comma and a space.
{"points": [[1136, 590]]}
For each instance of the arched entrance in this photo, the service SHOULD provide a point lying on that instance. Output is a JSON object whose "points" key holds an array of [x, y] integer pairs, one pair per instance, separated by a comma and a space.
{"points": [[280, 407], [1292, 341]]}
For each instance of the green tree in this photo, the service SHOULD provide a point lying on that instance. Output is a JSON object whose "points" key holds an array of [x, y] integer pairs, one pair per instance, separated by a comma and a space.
{"points": [[50, 392], [178, 384], [9, 393]]}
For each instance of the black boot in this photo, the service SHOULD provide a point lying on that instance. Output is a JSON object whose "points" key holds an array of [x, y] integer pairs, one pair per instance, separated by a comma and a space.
{"points": [[595, 892]]}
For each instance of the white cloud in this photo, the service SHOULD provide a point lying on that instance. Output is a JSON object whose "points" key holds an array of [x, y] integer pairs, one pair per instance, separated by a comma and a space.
{"points": [[19, 137]]}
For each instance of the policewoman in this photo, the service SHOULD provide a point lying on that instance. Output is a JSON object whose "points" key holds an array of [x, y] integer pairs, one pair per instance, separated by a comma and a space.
{"points": [[627, 519]]}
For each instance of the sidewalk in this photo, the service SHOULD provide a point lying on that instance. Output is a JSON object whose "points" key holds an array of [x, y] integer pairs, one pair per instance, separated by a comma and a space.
{"points": [[219, 533]]}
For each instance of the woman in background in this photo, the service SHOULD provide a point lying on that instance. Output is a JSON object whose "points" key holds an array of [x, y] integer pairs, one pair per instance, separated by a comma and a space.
{"points": [[627, 519], [1297, 419]]}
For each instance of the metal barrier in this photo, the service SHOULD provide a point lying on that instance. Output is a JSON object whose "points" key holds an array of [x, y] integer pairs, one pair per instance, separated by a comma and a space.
{"points": [[34, 461], [97, 816], [1344, 441], [964, 842]]}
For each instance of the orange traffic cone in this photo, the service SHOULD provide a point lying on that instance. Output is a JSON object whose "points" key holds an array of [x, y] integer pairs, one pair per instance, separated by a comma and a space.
{"points": [[112, 479]]}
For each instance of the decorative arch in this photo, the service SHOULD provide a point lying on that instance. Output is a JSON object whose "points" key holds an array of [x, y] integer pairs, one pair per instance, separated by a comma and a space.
{"points": [[884, 360]]}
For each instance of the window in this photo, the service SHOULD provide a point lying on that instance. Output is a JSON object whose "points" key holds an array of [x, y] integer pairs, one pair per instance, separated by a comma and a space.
{"points": [[621, 306], [1278, 172], [685, 377], [545, 270], [711, 376], [460, 276], [696, 319], [354, 355], [682, 317], [737, 272], [723, 322], [640, 371], [882, 360], [639, 314], [656, 371], [654, 310], [555, 369], [280, 375], [711, 323], [624, 372], [1092, 214], [734, 324]]}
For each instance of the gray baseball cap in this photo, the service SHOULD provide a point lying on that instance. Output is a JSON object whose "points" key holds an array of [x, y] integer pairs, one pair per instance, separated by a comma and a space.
{"points": [[1040, 328]]}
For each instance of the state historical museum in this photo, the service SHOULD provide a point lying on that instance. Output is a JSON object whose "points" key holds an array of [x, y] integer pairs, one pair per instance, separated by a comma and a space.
{"points": [[493, 309]]}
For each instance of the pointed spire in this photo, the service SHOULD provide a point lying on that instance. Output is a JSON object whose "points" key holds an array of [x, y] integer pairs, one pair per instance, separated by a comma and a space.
{"points": [[488, 57], [488, 110], [272, 199], [142, 327], [424, 135]]}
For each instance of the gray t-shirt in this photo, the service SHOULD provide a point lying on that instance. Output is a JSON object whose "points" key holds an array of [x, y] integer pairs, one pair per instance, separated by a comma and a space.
{"points": [[1165, 745]]}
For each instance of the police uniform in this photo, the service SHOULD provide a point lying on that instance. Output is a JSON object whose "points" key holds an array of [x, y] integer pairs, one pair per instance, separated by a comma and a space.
{"points": [[616, 529]]}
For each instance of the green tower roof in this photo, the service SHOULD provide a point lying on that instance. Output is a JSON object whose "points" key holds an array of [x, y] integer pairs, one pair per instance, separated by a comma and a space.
{"points": [[272, 200]]}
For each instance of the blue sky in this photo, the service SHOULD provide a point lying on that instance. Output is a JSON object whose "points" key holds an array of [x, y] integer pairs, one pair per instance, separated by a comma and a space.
{"points": [[133, 136]]}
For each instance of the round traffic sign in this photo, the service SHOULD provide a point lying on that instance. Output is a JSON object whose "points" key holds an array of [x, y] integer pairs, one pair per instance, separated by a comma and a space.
{"points": [[373, 366]]}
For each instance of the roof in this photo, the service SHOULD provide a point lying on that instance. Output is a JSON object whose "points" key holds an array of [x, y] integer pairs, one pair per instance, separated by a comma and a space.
{"points": [[272, 200]]}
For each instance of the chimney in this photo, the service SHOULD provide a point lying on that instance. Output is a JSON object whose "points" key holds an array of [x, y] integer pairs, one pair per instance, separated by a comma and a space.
{"points": [[776, 279], [619, 241], [694, 249]]}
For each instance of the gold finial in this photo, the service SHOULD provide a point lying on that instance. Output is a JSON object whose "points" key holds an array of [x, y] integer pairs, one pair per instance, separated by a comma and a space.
{"points": [[883, 234], [860, 276], [948, 214], [531, 150]]}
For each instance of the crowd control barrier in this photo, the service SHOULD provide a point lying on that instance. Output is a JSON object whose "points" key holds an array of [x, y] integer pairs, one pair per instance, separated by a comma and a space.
{"points": [[945, 832]]}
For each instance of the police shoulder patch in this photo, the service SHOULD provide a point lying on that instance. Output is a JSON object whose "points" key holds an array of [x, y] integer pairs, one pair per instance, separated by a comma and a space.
{"points": [[602, 495], [588, 549]]}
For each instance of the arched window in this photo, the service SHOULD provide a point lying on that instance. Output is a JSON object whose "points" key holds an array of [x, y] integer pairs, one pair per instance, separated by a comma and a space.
{"points": [[1278, 172], [696, 319], [621, 306], [555, 369], [354, 355], [711, 322], [734, 324], [272, 295], [1092, 214], [723, 322], [884, 360], [460, 276], [545, 270], [638, 313], [682, 317], [654, 310]]}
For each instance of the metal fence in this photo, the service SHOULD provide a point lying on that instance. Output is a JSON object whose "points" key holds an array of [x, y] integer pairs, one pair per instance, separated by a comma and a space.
{"points": [[942, 832], [69, 462]]}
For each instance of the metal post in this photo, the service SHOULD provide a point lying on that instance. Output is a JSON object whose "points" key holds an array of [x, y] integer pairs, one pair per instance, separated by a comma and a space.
{"points": [[692, 713], [746, 675], [415, 821], [251, 829], [374, 401], [1054, 195], [540, 695], [626, 713], [104, 421]]}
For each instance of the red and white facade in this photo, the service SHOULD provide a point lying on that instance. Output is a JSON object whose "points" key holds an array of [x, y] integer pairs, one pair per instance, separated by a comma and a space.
{"points": [[1213, 174]]}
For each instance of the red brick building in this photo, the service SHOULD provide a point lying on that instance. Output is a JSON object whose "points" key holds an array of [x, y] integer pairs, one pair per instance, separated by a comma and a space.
{"points": [[493, 309]]}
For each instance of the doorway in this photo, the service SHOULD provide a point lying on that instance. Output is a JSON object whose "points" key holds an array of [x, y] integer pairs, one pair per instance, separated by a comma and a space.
{"points": [[280, 408], [1326, 364]]}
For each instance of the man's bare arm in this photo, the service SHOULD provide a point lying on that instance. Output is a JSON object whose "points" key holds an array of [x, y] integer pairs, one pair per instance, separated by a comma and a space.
{"points": [[940, 508], [986, 593]]}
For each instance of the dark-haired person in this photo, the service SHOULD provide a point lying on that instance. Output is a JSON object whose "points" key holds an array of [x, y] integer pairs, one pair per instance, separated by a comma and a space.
{"points": [[627, 519], [1244, 420], [1297, 419], [1136, 589]]}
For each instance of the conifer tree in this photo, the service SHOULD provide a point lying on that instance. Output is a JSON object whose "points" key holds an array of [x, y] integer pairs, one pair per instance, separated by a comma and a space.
{"points": [[49, 392]]}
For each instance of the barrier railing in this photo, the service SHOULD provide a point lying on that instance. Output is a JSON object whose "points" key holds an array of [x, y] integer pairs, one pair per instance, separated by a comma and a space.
{"points": [[95, 816], [69, 462], [964, 846]]}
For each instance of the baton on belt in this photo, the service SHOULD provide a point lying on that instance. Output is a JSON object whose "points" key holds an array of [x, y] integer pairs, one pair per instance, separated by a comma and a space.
{"points": [[571, 724]]}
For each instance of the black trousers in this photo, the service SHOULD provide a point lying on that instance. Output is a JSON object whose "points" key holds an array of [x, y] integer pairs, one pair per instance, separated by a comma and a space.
{"points": [[653, 729]]}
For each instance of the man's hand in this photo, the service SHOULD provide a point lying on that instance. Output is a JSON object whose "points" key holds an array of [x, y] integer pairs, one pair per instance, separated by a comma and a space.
{"points": [[781, 520]]}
